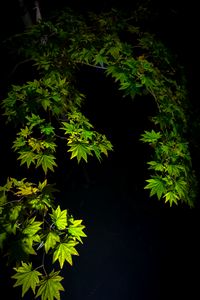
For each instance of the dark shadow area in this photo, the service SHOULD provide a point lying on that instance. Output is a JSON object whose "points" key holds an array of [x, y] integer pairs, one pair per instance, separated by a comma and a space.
{"points": [[137, 248]]}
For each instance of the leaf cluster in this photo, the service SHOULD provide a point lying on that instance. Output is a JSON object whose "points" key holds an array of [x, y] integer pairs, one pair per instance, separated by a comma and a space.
{"points": [[30, 226]]}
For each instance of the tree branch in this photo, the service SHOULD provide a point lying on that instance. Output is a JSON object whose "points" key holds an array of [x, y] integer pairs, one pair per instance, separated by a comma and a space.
{"points": [[18, 65]]}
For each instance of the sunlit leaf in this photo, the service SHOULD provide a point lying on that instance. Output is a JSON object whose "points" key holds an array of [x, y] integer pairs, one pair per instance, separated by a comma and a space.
{"points": [[80, 151], [26, 190], [59, 218], [50, 287], [51, 240], [32, 227], [157, 186], [64, 251], [156, 166], [76, 230], [46, 161], [47, 129], [181, 187], [27, 277], [171, 197], [150, 136], [27, 157]]}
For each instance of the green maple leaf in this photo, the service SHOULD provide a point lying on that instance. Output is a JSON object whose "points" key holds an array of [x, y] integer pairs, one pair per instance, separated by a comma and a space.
{"points": [[46, 103], [50, 287], [51, 240], [42, 185], [100, 59], [59, 218], [27, 157], [25, 132], [157, 186], [171, 197], [14, 212], [103, 149], [34, 120], [157, 166], [11, 227], [79, 150], [151, 137], [97, 151], [26, 277], [64, 251], [76, 230], [27, 243], [46, 161], [32, 227], [181, 187], [47, 129]]}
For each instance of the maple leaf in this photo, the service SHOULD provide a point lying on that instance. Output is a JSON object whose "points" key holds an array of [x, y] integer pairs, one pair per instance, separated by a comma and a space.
{"points": [[64, 251], [45, 103], [157, 166], [76, 230], [14, 212], [42, 185], [79, 150], [26, 277], [46, 161], [59, 218], [171, 197], [50, 287], [27, 157], [27, 243], [26, 190], [157, 186], [32, 227], [25, 132], [47, 129], [51, 240], [150, 136]]}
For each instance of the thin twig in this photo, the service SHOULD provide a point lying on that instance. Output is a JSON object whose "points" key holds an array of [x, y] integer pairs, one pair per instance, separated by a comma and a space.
{"points": [[17, 66], [90, 65]]}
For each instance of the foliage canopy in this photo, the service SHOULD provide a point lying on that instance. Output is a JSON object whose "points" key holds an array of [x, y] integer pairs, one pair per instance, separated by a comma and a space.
{"points": [[48, 108]]}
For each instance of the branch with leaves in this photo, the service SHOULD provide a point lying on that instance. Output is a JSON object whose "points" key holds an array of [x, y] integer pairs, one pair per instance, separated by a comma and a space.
{"points": [[50, 108], [30, 226]]}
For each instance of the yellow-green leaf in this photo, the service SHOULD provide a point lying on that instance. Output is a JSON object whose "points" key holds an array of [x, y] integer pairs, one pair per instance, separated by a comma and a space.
{"points": [[50, 287], [32, 227], [46, 161], [26, 277], [157, 186], [14, 212], [27, 157], [171, 197], [51, 240], [26, 190], [76, 230], [64, 251], [79, 150], [59, 218]]}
